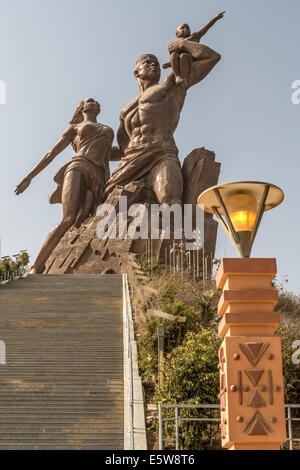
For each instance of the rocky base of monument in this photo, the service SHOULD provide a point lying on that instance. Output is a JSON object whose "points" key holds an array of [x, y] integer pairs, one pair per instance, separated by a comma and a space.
{"points": [[81, 251]]}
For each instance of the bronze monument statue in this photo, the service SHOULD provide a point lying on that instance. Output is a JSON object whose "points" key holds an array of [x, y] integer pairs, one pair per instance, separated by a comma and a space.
{"points": [[149, 173], [81, 181]]}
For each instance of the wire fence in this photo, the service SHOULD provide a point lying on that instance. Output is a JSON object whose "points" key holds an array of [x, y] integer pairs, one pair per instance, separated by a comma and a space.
{"points": [[198, 262], [171, 435]]}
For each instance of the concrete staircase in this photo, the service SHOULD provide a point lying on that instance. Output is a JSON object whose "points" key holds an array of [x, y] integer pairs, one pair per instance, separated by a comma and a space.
{"points": [[62, 385]]}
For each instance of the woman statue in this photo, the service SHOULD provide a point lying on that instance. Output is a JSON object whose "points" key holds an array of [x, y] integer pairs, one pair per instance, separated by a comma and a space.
{"points": [[81, 181]]}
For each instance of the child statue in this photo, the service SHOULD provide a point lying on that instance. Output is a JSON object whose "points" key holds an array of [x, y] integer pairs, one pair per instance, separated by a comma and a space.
{"points": [[180, 61]]}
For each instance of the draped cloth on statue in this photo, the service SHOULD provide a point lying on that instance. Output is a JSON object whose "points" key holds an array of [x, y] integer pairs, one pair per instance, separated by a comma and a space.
{"points": [[139, 161], [95, 177], [93, 166]]}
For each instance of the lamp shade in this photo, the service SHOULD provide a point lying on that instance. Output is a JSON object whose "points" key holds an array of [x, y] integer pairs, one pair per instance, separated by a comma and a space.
{"points": [[239, 207]]}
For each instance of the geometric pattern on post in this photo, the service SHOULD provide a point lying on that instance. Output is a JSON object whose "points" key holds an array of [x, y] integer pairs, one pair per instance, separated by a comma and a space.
{"points": [[251, 398], [257, 426], [256, 400], [254, 351], [254, 375]]}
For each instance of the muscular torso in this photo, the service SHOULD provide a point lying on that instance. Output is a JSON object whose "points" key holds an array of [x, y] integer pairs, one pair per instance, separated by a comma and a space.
{"points": [[153, 116]]}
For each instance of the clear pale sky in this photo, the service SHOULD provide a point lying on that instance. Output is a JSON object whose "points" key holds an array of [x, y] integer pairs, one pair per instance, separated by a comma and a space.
{"points": [[55, 53]]}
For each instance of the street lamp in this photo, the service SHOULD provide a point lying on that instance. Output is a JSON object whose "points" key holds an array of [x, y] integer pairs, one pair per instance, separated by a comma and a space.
{"points": [[239, 206], [250, 363]]}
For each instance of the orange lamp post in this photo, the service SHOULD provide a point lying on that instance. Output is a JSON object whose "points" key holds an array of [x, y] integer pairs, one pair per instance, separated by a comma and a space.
{"points": [[251, 383]]}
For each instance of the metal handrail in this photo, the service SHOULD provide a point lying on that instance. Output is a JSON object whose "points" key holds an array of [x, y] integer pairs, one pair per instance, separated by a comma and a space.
{"points": [[161, 420], [8, 276], [131, 392], [289, 420], [129, 355]]}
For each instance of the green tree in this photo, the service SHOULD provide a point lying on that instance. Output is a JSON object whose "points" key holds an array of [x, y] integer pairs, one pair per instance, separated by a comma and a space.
{"points": [[191, 375], [8, 265]]}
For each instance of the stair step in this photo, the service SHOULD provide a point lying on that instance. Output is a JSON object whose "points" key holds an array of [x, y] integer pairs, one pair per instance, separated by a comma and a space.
{"points": [[62, 385]]}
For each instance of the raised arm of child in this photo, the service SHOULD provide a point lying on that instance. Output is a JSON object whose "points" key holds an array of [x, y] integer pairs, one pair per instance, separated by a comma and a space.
{"points": [[199, 34]]}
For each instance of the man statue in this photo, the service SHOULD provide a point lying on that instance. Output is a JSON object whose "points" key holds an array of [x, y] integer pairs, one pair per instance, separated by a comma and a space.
{"points": [[146, 144]]}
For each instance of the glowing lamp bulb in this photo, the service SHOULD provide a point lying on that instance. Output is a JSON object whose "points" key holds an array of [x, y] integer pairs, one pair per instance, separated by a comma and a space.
{"points": [[242, 209]]}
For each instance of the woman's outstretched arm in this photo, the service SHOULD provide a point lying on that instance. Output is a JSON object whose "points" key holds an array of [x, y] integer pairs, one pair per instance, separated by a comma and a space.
{"points": [[63, 142]]}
